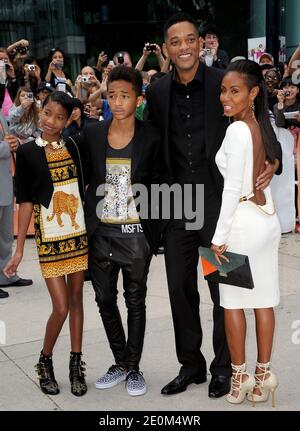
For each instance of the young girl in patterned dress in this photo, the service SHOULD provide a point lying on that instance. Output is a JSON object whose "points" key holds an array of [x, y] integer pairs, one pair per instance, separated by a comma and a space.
{"points": [[49, 183]]}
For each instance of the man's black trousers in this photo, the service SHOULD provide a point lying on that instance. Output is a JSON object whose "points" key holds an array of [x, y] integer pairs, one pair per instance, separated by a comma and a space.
{"points": [[182, 260]]}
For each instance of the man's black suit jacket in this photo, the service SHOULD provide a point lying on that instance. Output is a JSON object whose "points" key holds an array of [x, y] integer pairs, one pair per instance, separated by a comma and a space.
{"points": [[92, 142], [158, 112]]}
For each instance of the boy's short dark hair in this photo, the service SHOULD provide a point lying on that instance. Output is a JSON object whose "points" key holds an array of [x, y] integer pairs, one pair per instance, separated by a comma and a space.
{"points": [[62, 99], [179, 17], [128, 74]]}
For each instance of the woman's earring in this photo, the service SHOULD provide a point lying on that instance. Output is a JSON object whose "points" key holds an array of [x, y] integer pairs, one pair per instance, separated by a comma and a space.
{"points": [[253, 109]]}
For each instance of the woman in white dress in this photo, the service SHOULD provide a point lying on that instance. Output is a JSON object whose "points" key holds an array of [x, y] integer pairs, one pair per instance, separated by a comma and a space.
{"points": [[248, 225]]}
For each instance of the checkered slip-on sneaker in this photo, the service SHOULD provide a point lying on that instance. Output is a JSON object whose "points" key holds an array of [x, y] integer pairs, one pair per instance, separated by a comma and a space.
{"points": [[114, 375], [135, 383]]}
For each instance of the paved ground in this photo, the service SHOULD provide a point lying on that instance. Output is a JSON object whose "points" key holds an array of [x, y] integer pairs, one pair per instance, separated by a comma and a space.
{"points": [[26, 310]]}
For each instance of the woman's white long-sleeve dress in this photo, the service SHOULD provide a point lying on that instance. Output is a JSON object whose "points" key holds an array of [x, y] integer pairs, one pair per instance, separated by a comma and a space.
{"points": [[244, 226]]}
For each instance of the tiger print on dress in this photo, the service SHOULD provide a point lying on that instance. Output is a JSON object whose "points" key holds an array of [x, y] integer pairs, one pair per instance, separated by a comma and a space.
{"points": [[64, 203]]}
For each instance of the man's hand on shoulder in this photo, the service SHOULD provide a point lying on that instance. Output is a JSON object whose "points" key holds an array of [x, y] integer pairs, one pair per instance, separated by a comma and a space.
{"points": [[265, 178]]}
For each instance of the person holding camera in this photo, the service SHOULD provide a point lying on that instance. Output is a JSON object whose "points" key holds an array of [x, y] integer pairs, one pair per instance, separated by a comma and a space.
{"points": [[55, 73], [86, 84], [150, 48], [97, 96], [288, 102], [19, 49], [23, 116], [98, 106], [14, 55], [101, 61], [32, 74], [8, 81], [210, 54]]}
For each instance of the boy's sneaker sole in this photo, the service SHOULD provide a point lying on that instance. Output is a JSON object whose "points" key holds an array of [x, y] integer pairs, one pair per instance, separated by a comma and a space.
{"points": [[110, 384], [138, 392], [135, 383]]}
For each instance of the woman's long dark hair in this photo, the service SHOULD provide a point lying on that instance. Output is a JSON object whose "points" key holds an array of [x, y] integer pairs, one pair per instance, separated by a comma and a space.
{"points": [[254, 78], [53, 51]]}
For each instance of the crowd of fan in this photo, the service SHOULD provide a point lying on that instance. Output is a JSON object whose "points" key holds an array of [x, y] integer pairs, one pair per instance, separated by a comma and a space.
{"points": [[25, 85]]}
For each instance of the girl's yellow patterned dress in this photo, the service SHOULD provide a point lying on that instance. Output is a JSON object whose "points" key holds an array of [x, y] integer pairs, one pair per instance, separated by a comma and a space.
{"points": [[60, 231]]}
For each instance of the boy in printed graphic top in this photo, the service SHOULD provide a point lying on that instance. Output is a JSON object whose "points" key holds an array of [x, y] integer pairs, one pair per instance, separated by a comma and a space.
{"points": [[120, 153]]}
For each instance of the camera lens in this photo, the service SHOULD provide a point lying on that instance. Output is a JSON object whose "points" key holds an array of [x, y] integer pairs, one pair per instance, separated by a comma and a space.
{"points": [[120, 59]]}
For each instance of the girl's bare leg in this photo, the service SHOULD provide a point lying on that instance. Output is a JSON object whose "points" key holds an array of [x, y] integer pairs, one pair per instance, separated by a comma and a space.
{"points": [[75, 297], [60, 307]]}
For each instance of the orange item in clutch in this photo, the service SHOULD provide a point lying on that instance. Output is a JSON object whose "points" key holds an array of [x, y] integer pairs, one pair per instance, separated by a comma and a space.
{"points": [[207, 267]]}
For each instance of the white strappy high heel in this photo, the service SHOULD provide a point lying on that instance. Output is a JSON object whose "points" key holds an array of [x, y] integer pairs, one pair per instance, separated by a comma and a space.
{"points": [[242, 387], [266, 382]]}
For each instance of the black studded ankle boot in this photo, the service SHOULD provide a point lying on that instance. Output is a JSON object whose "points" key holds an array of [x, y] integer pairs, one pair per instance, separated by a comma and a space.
{"points": [[45, 373], [77, 376]]}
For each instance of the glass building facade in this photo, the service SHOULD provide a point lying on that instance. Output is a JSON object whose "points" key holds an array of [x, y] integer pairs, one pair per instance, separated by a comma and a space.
{"points": [[83, 28]]}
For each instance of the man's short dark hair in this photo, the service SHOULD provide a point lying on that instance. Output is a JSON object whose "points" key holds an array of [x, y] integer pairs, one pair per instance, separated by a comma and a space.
{"points": [[128, 74], [179, 17], [210, 29]]}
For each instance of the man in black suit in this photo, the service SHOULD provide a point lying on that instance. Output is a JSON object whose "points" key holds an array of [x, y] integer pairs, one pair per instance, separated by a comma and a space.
{"points": [[185, 105]]}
